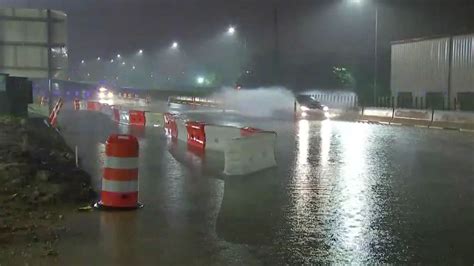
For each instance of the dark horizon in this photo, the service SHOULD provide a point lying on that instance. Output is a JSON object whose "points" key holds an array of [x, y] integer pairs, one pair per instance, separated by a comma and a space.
{"points": [[313, 36]]}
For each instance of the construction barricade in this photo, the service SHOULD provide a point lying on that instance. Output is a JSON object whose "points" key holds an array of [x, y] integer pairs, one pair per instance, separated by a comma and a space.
{"points": [[249, 131], [171, 129], [120, 176], [124, 117], [196, 135], [136, 118], [216, 136], [93, 106], [250, 154], [154, 119]]}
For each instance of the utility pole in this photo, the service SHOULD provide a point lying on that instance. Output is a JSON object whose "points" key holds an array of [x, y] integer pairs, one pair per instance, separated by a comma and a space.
{"points": [[376, 52], [50, 63], [276, 48]]}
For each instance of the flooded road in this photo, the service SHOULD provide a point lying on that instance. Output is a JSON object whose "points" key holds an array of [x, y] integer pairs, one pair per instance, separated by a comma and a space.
{"points": [[342, 192]]}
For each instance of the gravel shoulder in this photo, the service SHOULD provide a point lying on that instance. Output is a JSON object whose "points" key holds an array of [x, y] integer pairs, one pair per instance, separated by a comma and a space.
{"points": [[40, 186]]}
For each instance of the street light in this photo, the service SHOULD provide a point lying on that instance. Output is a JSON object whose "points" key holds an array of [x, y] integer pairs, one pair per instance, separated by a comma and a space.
{"points": [[175, 45], [123, 63], [118, 56], [231, 30], [200, 80], [140, 52], [98, 58], [376, 40], [83, 62], [111, 60], [133, 67]]}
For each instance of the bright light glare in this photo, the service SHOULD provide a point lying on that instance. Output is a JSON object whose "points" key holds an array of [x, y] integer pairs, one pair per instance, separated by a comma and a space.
{"points": [[231, 30], [110, 94], [98, 58], [356, 1], [174, 45], [325, 108], [101, 95], [123, 63], [140, 51], [111, 60], [200, 80], [102, 89], [82, 61], [118, 56], [304, 108], [304, 114]]}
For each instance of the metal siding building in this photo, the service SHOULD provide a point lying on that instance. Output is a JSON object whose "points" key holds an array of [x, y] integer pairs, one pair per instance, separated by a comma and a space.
{"points": [[462, 69], [434, 72], [26, 35]]}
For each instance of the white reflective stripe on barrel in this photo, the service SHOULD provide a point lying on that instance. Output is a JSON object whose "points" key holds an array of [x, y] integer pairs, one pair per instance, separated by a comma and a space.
{"points": [[120, 162], [119, 186]]}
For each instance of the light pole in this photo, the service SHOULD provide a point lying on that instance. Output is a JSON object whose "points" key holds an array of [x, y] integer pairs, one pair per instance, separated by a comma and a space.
{"points": [[376, 40], [376, 51]]}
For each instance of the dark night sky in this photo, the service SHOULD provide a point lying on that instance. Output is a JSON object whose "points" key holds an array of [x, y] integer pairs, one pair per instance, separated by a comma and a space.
{"points": [[314, 35]]}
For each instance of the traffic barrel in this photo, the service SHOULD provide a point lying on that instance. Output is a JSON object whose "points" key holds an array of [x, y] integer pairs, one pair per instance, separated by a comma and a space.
{"points": [[77, 104], [120, 176]]}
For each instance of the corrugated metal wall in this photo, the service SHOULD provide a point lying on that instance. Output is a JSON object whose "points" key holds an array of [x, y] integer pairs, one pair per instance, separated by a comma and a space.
{"points": [[462, 75], [24, 40], [420, 67]]}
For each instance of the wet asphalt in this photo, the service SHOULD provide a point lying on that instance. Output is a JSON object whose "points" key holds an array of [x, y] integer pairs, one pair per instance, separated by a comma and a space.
{"points": [[342, 193]]}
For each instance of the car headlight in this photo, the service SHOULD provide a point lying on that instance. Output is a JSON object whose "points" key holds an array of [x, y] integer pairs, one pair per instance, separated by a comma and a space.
{"points": [[304, 108], [325, 108], [101, 95], [110, 94]]}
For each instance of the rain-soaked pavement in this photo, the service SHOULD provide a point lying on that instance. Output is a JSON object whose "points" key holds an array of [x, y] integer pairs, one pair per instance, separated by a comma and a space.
{"points": [[342, 192]]}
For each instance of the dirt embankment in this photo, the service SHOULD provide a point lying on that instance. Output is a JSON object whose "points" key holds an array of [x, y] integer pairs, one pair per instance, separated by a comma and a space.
{"points": [[39, 186]]}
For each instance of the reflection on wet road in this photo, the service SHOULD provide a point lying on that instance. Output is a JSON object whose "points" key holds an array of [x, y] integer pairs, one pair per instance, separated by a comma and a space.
{"points": [[342, 192]]}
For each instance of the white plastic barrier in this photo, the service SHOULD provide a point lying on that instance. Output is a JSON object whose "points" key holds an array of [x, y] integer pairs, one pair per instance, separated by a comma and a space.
{"points": [[379, 112], [413, 114], [250, 154], [154, 119], [182, 131], [216, 136], [82, 105], [124, 117], [453, 117]]}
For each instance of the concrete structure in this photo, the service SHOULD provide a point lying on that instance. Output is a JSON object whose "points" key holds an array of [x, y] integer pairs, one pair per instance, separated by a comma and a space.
{"points": [[33, 43], [435, 72]]}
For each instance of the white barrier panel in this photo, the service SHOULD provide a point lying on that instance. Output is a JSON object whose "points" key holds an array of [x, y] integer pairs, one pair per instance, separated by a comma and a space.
{"points": [[107, 110], [82, 105], [453, 116], [182, 131], [216, 136], [154, 119], [250, 154], [380, 112], [124, 117], [413, 114]]}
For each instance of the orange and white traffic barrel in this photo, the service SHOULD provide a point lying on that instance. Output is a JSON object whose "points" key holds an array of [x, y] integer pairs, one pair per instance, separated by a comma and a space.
{"points": [[53, 117], [120, 176], [77, 104]]}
